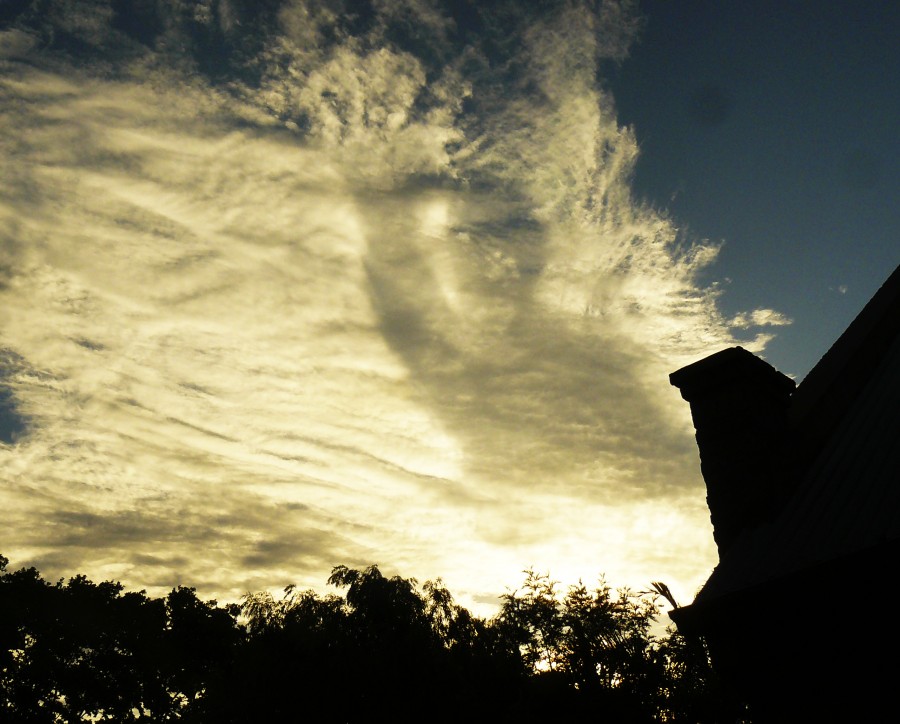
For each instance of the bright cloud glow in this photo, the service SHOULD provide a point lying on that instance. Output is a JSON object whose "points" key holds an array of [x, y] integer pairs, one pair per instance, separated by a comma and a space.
{"points": [[375, 307]]}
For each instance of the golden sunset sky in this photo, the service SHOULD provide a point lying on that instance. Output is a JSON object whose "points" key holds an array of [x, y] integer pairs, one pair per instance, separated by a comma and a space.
{"points": [[297, 284]]}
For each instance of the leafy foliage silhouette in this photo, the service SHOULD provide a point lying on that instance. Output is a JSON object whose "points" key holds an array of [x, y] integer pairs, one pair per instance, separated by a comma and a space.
{"points": [[385, 648]]}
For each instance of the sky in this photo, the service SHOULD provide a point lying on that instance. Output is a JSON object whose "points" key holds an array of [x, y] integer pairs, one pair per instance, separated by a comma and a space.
{"points": [[770, 128], [292, 284]]}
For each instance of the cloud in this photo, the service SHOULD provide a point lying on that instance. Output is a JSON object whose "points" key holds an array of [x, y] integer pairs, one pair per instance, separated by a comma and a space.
{"points": [[759, 318], [362, 293]]}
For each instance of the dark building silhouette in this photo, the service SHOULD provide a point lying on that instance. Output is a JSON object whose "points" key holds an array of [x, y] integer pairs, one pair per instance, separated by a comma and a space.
{"points": [[803, 487]]}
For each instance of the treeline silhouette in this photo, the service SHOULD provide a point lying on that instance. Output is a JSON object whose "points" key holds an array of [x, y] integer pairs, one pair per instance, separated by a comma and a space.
{"points": [[386, 650]]}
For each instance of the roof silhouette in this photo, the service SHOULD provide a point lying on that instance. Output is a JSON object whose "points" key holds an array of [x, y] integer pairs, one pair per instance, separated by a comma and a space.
{"points": [[843, 422]]}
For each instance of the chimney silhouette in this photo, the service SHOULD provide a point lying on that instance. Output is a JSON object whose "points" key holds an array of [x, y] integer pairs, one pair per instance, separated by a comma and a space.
{"points": [[739, 406]]}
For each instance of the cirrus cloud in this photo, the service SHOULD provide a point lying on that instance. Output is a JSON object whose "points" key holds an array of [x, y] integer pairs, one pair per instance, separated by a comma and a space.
{"points": [[371, 289]]}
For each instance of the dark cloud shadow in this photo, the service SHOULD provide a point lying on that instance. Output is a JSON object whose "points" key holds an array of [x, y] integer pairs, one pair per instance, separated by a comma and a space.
{"points": [[533, 397], [171, 545]]}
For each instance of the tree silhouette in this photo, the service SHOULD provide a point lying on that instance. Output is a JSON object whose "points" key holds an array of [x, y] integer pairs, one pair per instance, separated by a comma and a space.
{"points": [[80, 650], [385, 648]]}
